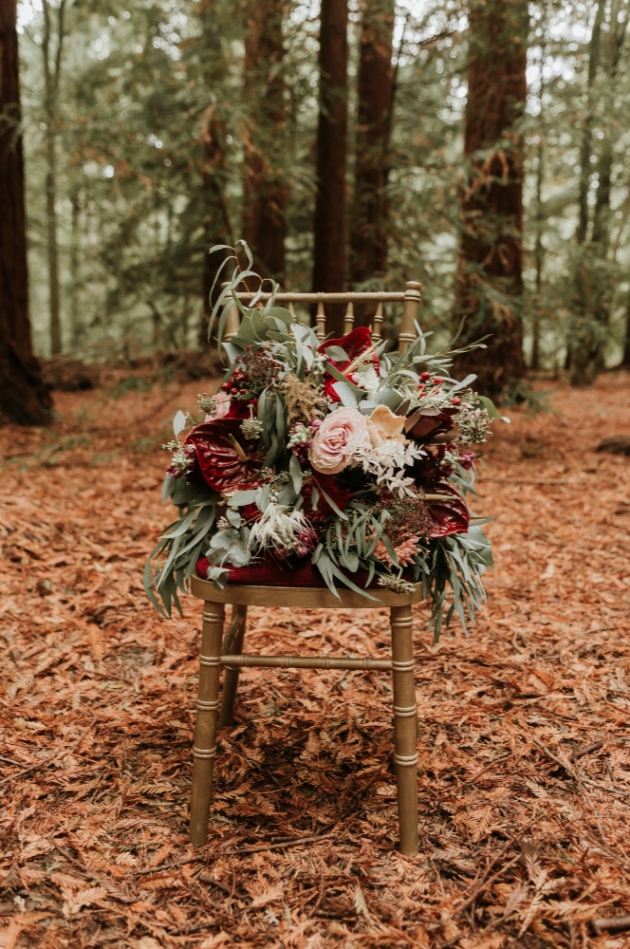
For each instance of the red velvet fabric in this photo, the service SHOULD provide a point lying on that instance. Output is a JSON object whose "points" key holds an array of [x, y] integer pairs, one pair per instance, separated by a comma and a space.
{"points": [[272, 573], [289, 573]]}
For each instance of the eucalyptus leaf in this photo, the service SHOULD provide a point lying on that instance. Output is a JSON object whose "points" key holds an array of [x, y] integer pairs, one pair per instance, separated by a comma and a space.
{"points": [[179, 423]]}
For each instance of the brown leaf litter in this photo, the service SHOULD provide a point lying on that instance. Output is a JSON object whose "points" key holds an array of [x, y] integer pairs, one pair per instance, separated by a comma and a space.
{"points": [[524, 742]]}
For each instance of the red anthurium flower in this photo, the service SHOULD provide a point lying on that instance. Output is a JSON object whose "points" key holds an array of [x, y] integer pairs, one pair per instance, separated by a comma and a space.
{"points": [[355, 343], [447, 517], [225, 457]]}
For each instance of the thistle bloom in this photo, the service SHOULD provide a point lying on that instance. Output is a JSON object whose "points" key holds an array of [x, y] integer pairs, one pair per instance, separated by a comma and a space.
{"points": [[282, 530]]}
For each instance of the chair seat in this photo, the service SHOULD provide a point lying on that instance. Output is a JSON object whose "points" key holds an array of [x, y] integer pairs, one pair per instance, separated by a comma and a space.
{"points": [[305, 597]]}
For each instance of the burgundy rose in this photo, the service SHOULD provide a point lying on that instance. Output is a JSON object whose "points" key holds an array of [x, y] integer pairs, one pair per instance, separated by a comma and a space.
{"points": [[355, 343], [226, 459]]}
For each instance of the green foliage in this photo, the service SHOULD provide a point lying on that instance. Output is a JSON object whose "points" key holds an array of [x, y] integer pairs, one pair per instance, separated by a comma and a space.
{"points": [[150, 125]]}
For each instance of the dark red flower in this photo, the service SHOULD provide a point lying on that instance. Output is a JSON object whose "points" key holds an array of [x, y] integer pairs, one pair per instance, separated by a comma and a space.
{"points": [[429, 422], [240, 408], [226, 459], [355, 343], [250, 512], [466, 459], [447, 517], [324, 483]]}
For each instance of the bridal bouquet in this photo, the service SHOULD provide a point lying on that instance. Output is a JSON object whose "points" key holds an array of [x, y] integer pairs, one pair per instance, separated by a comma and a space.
{"points": [[326, 463]]}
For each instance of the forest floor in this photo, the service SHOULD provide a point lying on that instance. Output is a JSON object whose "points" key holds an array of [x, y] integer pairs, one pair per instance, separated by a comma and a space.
{"points": [[524, 741]]}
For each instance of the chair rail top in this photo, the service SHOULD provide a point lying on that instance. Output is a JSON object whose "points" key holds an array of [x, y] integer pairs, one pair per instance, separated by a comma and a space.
{"points": [[376, 296], [302, 597]]}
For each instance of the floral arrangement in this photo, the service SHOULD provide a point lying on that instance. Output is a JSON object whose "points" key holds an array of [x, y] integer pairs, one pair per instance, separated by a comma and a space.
{"points": [[326, 463]]}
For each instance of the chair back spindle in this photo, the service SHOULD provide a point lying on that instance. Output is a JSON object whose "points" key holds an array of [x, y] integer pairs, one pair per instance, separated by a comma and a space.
{"points": [[377, 324], [320, 322], [232, 323], [348, 322]]}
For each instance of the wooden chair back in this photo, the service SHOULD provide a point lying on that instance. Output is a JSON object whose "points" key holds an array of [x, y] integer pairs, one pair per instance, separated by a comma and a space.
{"points": [[410, 300]]}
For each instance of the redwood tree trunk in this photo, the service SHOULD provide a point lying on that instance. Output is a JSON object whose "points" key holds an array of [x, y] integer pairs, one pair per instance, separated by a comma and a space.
{"points": [[593, 290], [264, 175], [52, 70], [213, 166], [368, 240], [330, 204], [23, 397], [489, 271], [216, 225]]}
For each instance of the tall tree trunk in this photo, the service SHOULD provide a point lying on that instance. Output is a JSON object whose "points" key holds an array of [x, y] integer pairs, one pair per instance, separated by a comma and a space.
{"points": [[52, 247], [264, 168], [592, 280], [602, 212], [587, 128], [24, 398], [539, 250], [330, 203], [75, 327], [539, 254], [52, 72], [579, 340], [368, 237], [489, 270], [213, 165]]}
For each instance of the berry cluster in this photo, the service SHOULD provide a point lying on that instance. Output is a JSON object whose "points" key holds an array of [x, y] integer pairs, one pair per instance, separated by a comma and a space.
{"points": [[253, 371]]}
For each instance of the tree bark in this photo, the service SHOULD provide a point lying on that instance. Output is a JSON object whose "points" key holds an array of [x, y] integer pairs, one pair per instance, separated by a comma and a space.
{"points": [[53, 254], [592, 299], [539, 249], [489, 270], [368, 239], [587, 129], [24, 398], [52, 71], [264, 172], [75, 326], [216, 224], [330, 203]]}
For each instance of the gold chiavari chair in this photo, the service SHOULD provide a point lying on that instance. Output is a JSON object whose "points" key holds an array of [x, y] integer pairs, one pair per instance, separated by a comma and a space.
{"points": [[219, 652]]}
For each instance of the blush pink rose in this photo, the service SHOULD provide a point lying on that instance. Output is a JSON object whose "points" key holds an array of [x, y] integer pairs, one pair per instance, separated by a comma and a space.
{"points": [[337, 439], [222, 403]]}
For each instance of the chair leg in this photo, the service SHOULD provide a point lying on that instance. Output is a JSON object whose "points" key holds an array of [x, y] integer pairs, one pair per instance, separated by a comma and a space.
{"points": [[230, 676], [204, 748], [405, 728]]}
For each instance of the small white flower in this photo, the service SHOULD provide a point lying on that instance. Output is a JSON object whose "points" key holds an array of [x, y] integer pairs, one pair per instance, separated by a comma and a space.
{"points": [[387, 463]]}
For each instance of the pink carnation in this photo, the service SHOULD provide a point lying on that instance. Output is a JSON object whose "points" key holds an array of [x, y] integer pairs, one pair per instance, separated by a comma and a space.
{"points": [[337, 439]]}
